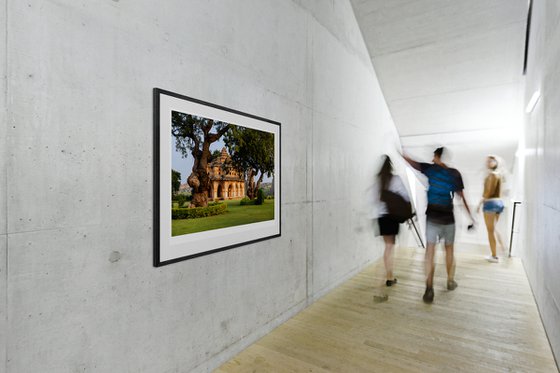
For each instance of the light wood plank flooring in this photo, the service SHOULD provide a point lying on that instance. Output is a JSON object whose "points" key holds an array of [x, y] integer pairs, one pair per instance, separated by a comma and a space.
{"points": [[490, 323]]}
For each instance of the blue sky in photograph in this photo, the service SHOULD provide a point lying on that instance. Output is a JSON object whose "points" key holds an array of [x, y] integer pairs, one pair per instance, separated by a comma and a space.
{"points": [[184, 165]]}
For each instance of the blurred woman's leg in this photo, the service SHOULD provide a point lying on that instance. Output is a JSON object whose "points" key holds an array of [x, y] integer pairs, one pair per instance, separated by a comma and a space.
{"points": [[498, 235], [490, 220], [388, 256]]}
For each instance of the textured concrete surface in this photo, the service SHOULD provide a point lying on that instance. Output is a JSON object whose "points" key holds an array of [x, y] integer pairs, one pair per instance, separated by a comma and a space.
{"points": [[3, 195], [3, 303], [541, 209], [3, 124], [82, 293], [343, 135]]}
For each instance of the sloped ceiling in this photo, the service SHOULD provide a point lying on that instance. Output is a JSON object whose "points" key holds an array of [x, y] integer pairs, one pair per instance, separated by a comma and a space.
{"points": [[451, 72]]}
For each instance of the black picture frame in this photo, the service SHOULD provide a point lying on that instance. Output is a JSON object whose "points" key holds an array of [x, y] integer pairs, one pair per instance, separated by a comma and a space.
{"points": [[170, 249]]}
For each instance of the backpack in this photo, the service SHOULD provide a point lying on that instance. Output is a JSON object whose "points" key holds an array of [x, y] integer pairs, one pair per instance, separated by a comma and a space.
{"points": [[400, 210]]}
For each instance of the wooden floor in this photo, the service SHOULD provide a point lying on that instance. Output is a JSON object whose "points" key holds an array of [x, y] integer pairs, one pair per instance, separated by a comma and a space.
{"points": [[490, 323]]}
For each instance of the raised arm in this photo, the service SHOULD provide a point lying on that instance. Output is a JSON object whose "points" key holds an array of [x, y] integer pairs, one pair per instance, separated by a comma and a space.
{"points": [[412, 162]]}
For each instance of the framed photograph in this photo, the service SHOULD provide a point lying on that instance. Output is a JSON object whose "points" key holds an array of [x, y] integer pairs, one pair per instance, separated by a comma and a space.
{"points": [[216, 178]]}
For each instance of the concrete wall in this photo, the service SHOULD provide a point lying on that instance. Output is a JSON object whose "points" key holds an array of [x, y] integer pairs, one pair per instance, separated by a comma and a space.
{"points": [[79, 181], [3, 195], [541, 152]]}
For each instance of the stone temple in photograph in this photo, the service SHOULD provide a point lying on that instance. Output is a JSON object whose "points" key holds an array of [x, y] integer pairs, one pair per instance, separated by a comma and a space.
{"points": [[226, 182]]}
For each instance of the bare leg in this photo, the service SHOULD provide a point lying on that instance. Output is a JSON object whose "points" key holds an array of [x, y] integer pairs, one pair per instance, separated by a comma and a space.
{"points": [[388, 255], [489, 219], [498, 235], [429, 264], [450, 262]]}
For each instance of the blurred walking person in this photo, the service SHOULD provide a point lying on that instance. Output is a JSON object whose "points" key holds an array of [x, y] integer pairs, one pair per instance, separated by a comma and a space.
{"points": [[394, 208], [492, 205], [444, 183]]}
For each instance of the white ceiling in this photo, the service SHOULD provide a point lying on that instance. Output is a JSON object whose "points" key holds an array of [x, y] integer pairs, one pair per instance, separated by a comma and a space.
{"points": [[451, 72]]}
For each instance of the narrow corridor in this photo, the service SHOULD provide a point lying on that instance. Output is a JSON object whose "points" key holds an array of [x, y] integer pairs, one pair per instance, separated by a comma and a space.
{"points": [[490, 323]]}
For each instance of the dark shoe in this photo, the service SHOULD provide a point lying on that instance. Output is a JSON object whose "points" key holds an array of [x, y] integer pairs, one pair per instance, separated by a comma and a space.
{"points": [[428, 295], [451, 284], [391, 282]]}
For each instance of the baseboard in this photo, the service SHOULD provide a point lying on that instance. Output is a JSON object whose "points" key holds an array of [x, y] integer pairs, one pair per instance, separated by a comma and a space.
{"points": [[321, 293], [226, 354], [540, 314]]}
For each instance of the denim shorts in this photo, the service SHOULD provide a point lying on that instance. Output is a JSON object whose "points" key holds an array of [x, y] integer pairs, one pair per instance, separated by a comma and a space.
{"points": [[436, 232], [493, 205]]}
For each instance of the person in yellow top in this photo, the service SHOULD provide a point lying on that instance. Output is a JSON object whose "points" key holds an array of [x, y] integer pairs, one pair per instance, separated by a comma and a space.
{"points": [[492, 205]]}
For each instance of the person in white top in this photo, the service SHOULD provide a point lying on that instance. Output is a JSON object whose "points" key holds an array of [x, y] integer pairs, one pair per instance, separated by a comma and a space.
{"points": [[388, 228]]}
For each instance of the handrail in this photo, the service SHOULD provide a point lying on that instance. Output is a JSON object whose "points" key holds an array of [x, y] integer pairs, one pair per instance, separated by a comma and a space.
{"points": [[411, 223], [512, 226]]}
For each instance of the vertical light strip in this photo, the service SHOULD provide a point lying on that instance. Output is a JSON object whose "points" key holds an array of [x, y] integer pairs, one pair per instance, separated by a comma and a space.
{"points": [[533, 102]]}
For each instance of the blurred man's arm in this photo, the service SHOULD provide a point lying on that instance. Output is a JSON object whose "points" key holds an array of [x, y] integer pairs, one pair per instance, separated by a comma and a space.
{"points": [[412, 162], [462, 195]]}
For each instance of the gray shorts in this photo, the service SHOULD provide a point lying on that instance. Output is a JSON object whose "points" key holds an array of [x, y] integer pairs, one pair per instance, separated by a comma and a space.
{"points": [[436, 232]]}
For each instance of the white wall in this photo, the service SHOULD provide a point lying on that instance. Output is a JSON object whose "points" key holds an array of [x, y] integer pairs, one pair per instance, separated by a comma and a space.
{"points": [[79, 183], [541, 151]]}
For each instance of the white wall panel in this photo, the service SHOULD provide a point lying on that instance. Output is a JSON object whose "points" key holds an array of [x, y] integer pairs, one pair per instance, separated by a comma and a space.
{"points": [[540, 150]]}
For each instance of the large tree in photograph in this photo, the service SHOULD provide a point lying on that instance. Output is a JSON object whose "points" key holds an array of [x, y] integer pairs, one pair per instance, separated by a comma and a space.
{"points": [[175, 182], [252, 152], [194, 135]]}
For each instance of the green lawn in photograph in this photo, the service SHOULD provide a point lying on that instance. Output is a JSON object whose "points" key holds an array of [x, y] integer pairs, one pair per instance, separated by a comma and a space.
{"points": [[236, 215]]}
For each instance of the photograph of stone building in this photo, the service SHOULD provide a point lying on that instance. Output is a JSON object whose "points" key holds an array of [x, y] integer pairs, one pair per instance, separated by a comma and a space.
{"points": [[225, 181], [222, 174]]}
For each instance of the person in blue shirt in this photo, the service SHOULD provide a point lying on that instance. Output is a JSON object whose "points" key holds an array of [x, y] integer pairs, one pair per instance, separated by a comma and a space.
{"points": [[444, 183]]}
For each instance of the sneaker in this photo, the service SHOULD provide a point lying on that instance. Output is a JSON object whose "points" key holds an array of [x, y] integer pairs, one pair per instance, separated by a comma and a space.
{"points": [[428, 295], [451, 284], [492, 259], [391, 282]]}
